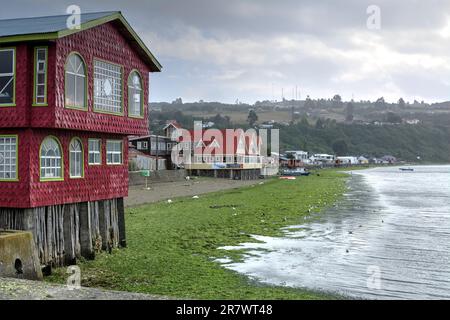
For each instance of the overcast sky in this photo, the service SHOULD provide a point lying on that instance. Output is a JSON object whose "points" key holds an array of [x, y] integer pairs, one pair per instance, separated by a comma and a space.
{"points": [[219, 50]]}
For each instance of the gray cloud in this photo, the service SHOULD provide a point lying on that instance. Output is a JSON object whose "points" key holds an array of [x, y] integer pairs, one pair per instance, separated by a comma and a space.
{"points": [[223, 50]]}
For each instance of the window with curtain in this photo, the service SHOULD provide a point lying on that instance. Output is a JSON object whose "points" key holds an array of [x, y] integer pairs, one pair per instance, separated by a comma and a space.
{"points": [[51, 159], [114, 152], [135, 95], [75, 86], [95, 155]]}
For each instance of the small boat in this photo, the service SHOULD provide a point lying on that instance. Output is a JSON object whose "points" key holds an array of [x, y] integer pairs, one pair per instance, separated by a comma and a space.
{"points": [[296, 172], [406, 169]]}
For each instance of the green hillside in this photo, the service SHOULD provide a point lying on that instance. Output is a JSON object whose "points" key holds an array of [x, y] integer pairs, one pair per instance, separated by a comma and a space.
{"points": [[405, 142]]}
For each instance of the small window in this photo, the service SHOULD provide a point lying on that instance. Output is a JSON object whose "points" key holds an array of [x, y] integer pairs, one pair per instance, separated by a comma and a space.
{"points": [[135, 95], [51, 159], [7, 77], [8, 158], [114, 152], [75, 86], [76, 158], [95, 153], [107, 87], [40, 76]]}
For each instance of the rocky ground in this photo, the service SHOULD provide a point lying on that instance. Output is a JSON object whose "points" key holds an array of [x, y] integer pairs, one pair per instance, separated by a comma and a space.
{"points": [[17, 289], [166, 190]]}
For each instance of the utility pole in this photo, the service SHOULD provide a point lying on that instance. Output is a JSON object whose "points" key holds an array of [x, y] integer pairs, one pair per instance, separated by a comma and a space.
{"points": [[157, 153]]}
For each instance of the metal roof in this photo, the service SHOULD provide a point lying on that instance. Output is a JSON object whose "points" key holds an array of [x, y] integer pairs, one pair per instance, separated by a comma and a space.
{"points": [[55, 27], [49, 24]]}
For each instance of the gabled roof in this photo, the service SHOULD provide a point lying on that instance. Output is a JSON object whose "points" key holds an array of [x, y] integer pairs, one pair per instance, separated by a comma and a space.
{"points": [[173, 123], [55, 27]]}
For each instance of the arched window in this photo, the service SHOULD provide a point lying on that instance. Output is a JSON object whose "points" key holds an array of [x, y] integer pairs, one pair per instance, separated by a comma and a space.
{"points": [[135, 95], [76, 158], [75, 86], [51, 159]]}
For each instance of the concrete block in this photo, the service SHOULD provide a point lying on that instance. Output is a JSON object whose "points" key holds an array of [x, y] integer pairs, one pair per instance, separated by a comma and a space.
{"points": [[18, 256]]}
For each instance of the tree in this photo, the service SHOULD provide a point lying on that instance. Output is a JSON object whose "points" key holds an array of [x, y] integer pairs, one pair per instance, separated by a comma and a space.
{"points": [[380, 103], [304, 122], [340, 147], [349, 112], [392, 117], [337, 101], [309, 104], [401, 103], [252, 117], [320, 124]]}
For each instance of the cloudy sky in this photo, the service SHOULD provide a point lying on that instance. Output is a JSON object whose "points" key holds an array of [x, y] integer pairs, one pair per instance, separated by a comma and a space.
{"points": [[249, 50]]}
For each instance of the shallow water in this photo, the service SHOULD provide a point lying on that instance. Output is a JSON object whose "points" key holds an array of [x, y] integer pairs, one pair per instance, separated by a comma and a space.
{"points": [[389, 238]]}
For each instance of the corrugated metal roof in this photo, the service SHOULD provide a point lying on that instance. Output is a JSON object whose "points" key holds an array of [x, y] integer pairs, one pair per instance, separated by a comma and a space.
{"points": [[49, 24]]}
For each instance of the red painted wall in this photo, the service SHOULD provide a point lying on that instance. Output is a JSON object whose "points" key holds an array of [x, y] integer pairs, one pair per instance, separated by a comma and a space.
{"points": [[107, 43], [100, 182], [18, 116], [33, 124]]}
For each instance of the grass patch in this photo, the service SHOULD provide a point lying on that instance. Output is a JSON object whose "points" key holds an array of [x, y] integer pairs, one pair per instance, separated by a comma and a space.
{"points": [[171, 246]]}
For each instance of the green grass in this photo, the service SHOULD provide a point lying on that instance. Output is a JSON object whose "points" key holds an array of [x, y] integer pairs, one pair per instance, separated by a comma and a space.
{"points": [[171, 247]]}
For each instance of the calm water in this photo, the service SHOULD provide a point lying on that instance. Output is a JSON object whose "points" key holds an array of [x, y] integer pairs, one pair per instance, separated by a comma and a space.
{"points": [[388, 239]]}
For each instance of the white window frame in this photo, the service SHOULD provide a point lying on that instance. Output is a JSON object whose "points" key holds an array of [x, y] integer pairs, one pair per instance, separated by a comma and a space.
{"points": [[76, 158], [49, 164], [116, 153], [9, 157], [108, 76], [135, 95], [40, 68], [80, 72], [95, 152], [13, 79]]}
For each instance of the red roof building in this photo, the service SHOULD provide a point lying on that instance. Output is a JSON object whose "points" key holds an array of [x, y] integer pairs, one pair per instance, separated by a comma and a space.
{"points": [[68, 100], [230, 153]]}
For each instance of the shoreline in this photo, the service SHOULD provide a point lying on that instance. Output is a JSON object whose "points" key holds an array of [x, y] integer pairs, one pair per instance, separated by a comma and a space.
{"points": [[172, 247]]}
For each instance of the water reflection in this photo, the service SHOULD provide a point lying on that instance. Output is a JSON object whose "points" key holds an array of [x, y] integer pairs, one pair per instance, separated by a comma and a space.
{"points": [[397, 223]]}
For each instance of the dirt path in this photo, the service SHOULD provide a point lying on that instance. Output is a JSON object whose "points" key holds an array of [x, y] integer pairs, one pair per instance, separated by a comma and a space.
{"points": [[15, 289], [168, 190]]}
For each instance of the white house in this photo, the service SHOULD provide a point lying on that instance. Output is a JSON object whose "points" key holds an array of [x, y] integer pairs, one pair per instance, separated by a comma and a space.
{"points": [[299, 155], [322, 158], [348, 160]]}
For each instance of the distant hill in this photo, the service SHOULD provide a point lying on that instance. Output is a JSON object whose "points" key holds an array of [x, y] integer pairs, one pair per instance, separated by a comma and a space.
{"points": [[405, 142]]}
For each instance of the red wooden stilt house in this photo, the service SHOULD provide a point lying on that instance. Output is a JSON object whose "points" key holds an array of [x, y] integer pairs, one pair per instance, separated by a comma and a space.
{"points": [[68, 100]]}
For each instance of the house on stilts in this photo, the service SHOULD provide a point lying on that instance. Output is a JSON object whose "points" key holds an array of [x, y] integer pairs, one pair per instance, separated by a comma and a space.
{"points": [[68, 100]]}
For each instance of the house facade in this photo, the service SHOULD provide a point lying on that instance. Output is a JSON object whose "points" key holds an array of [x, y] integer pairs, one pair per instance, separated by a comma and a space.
{"points": [[68, 101], [232, 154]]}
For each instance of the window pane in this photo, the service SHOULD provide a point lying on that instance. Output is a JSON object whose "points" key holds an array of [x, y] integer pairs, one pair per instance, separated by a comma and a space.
{"points": [[70, 89], [75, 82], [8, 158], [50, 159], [6, 61], [79, 102], [40, 90], [41, 54], [40, 78], [94, 151], [76, 158], [6, 89]]}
